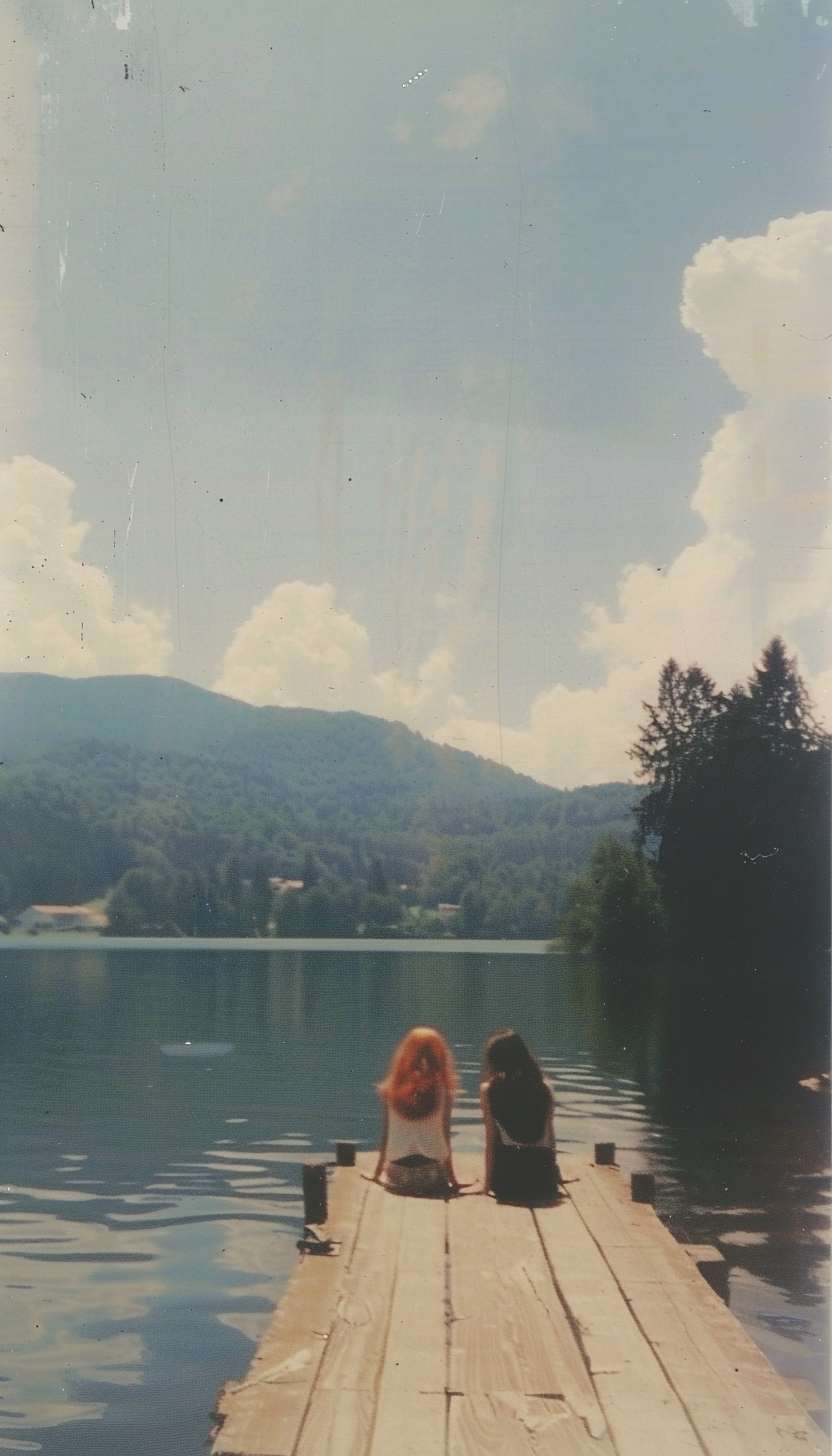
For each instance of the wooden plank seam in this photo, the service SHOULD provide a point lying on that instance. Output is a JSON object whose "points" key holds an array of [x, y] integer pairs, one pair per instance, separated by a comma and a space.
{"points": [[325, 1334], [449, 1321], [244, 1425], [760, 1428], [574, 1324], [385, 1341], [599, 1299], [652, 1344]]}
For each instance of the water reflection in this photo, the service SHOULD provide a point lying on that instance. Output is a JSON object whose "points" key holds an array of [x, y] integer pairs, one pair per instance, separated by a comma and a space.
{"points": [[150, 1201]]}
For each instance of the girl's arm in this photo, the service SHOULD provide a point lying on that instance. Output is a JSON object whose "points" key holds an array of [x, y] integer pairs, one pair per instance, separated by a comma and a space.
{"points": [[550, 1116], [489, 1134], [382, 1151], [446, 1128], [550, 1133]]}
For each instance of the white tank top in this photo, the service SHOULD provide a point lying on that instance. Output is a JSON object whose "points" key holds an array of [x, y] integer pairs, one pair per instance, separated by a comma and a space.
{"points": [[427, 1136]]}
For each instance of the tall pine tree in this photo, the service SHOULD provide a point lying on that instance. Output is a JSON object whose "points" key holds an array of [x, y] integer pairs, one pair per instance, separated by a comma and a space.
{"points": [[739, 801]]}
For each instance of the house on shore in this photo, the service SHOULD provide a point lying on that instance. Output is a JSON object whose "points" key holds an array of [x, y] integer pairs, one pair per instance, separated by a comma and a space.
{"points": [[447, 912], [60, 917]]}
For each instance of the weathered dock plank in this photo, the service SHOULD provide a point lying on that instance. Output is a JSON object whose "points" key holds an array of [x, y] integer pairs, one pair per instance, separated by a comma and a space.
{"points": [[507, 1424], [510, 1334], [409, 1423], [467, 1328], [735, 1400], [415, 1358], [262, 1415], [358, 1333], [337, 1423], [381, 1383], [643, 1413]]}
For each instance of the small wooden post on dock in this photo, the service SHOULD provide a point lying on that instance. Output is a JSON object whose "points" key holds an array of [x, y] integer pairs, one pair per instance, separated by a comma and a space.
{"points": [[345, 1154], [605, 1154], [314, 1193], [643, 1188]]}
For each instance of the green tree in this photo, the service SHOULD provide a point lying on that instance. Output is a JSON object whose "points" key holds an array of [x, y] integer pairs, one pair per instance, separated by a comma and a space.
{"points": [[259, 903], [205, 905], [615, 910], [310, 870], [378, 880], [677, 735], [780, 706], [237, 921], [141, 904], [469, 924], [183, 903], [743, 857], [381, 914]]}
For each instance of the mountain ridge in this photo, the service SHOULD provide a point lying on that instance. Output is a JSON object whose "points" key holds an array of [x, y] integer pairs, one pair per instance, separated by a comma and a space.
{"points": [[101, 776], [40, 711]]}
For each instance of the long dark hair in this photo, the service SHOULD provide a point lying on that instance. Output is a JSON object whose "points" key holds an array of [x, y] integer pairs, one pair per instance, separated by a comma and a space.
{"points": [[518, 1096]]}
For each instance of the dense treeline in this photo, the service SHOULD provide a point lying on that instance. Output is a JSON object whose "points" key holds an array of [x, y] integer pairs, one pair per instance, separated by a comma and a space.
{"points": [[190, 842], [731, 854], [615, 910]]}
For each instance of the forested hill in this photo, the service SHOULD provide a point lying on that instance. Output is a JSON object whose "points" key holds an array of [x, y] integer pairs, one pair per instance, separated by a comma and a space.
{"points": [[317, 753], [101, 775]]}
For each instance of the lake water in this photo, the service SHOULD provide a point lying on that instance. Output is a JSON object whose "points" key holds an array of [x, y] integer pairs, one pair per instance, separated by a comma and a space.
{"points": [[157, 1106]]}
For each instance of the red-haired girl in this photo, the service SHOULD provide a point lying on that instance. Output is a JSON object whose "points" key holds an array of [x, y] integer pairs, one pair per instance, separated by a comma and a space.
{"points": [[416, 1095]]}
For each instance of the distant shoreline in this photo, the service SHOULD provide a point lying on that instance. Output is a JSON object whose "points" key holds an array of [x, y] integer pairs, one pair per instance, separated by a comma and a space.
{"points": [[69, 941]]}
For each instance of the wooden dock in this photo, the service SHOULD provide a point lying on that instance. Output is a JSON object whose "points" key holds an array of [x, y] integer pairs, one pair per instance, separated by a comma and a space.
{"points": [[468, 1328]]}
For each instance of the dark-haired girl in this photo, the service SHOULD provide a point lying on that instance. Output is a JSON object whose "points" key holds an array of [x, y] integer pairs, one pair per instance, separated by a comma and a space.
{"points": [[518, 1111], [416, 1095]]}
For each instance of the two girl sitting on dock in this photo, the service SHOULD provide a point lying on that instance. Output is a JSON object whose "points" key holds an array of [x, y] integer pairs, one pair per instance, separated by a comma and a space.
{"points": [[518, 1111]]}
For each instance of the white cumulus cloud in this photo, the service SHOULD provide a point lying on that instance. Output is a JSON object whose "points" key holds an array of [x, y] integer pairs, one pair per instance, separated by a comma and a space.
{"points": [[473, 103], [763, 307], [58, 613], [299, 649], [760, 566]]}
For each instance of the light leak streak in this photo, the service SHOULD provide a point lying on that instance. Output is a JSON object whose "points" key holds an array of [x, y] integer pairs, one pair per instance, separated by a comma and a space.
{"points": [[132, 500]]}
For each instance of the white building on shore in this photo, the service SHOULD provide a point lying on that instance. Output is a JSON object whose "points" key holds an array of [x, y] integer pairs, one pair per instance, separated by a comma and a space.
{"points": [[60, 917]]}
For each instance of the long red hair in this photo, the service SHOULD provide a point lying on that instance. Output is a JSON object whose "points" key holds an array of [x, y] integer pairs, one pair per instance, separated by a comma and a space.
{"points": [[420, 1069]]}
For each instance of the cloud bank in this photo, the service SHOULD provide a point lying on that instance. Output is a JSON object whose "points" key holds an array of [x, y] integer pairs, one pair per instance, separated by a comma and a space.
{"points": [[58, 613], [762, 307], [762, 564], [299, 649]]}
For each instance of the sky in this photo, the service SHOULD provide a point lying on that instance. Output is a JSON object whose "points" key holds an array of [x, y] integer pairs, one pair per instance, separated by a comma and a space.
{"points": [[456, 363]]}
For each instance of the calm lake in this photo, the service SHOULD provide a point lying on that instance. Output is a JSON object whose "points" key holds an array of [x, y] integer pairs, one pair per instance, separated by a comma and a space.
{"points": [[157, 1106]]}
